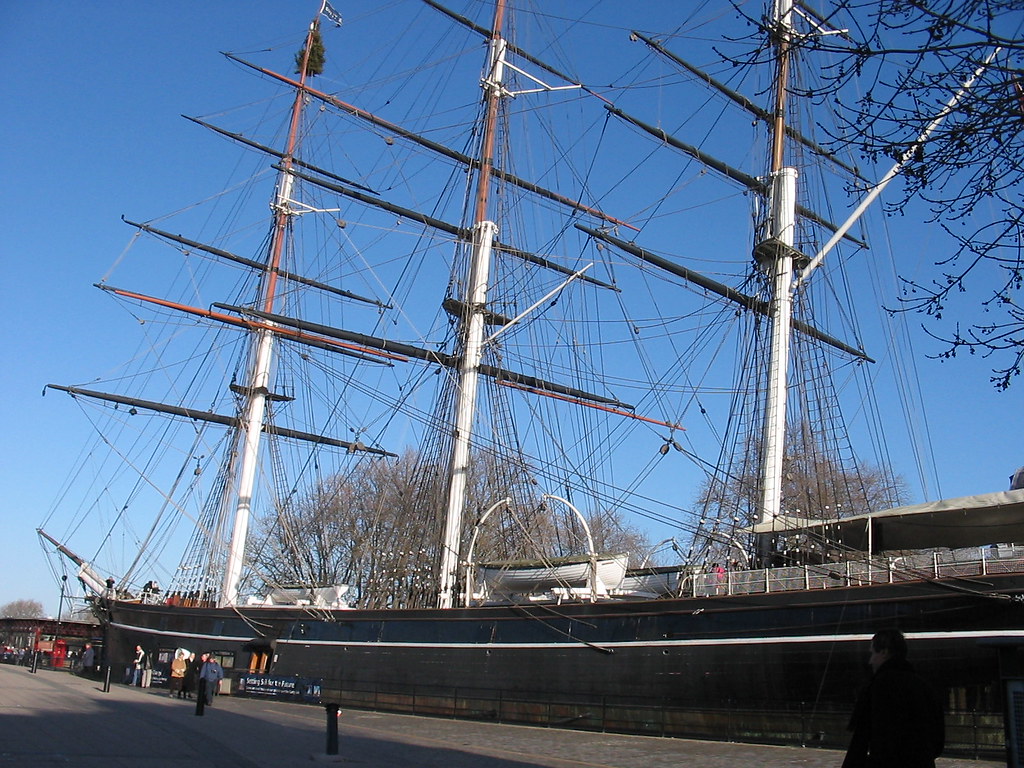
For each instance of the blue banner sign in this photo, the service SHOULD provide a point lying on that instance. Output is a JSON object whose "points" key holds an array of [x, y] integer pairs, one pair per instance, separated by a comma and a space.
{"points": [[271, 686]]}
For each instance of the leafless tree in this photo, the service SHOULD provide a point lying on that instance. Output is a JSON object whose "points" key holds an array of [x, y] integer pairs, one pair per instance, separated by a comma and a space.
{"points": [[914, 55], [816, 485], [377, 526], [22, 609], [613, 534], [361, 528]]}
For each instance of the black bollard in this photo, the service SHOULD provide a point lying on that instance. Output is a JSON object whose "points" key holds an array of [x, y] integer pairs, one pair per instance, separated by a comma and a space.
{"points": [[106, 680], [332, 728], [200, 698], [35, 662]]}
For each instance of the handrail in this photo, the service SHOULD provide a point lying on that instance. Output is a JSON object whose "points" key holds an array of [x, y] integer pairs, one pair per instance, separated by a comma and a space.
{"points": [[981, 561]]}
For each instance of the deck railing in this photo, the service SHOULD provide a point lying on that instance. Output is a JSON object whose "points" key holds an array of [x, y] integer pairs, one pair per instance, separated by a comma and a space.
{"points": [[979, 561]]}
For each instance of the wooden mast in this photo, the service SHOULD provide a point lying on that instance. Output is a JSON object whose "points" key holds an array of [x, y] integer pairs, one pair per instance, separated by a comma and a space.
{"points": [[776, 256], [472, 330], [263, 349]]}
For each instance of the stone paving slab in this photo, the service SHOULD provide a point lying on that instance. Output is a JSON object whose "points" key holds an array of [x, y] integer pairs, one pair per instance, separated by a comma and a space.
{"points": [[52, 718]]}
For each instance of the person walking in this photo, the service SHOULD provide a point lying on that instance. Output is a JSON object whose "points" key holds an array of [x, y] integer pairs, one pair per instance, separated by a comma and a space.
{"points": [[209, 677], [88, 659], [137, 666], [897, 721]]}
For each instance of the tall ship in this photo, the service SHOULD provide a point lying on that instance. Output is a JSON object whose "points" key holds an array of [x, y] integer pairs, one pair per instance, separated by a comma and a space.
{"points": [[533, 396]]}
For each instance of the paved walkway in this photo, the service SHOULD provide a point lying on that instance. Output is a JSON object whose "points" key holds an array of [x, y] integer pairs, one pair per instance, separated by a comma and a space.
{"points": [[53, 719]]}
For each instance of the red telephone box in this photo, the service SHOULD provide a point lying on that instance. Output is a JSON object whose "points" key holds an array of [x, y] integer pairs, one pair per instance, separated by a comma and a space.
{"points": [[60, 653]]}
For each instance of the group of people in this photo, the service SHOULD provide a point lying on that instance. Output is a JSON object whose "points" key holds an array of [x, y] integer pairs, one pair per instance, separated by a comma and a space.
{"points": [[190, 675]]}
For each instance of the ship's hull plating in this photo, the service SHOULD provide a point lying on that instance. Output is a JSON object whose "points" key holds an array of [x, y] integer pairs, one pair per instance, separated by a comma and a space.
{"points": [[772, 667]]}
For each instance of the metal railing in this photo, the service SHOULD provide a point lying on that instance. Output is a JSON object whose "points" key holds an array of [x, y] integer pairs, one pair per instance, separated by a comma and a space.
{"points": [[969, 733], [980, 561]]}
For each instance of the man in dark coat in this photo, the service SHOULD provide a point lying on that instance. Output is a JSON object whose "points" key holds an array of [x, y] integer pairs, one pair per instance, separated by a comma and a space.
{"points": [[191, 683], [88, 659], [897, 721], [210, 675]]}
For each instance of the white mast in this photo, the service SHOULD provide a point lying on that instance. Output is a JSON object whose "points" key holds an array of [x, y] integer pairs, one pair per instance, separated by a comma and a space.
{"points": [[484, 232], [776, 255], [263, 352]]}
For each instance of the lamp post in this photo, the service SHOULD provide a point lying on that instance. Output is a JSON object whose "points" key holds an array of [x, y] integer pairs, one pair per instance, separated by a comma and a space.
{"points": [[60, 605], [60, 610]]}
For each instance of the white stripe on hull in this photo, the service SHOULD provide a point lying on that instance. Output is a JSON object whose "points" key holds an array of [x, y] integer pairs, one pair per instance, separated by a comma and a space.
{"points": [[1012, 634]]}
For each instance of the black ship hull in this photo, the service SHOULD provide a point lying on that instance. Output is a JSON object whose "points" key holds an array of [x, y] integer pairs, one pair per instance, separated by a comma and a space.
{"points": [[777, 668]]}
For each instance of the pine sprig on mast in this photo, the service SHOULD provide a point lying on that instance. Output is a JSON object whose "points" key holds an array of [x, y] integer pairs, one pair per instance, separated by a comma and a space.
{"points": [[315, 58]]}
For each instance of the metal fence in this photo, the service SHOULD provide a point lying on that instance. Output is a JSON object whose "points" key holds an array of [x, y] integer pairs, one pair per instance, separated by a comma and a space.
{"points": [[970, 734]]}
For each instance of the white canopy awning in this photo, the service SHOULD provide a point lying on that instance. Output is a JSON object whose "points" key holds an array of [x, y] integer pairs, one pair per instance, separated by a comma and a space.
{"points": [[969, 521]]}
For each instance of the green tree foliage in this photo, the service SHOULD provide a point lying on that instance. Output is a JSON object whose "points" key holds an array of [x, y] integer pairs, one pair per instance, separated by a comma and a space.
{"points": [[317, 56]]}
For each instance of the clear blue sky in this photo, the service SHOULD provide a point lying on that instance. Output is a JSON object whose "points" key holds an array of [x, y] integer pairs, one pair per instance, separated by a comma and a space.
{"points": [[92, 94]]}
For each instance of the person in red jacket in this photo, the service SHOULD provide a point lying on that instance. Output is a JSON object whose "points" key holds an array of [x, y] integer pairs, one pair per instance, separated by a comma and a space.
{"points": [[897, 721]]}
